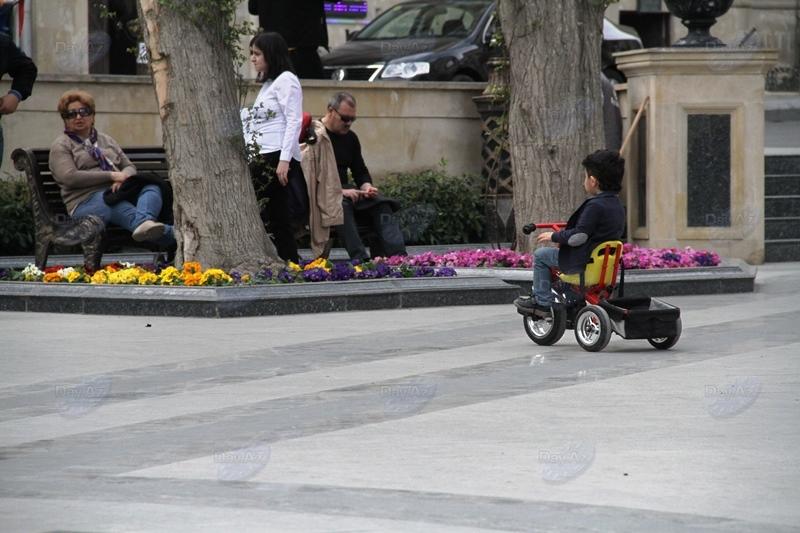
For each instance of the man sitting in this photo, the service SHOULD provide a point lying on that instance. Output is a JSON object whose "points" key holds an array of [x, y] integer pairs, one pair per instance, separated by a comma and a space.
{"points": [[362, 203], [600, 218]]}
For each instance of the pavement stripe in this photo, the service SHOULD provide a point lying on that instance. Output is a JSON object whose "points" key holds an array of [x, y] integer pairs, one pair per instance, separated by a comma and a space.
{"points": [[674, 448], [16, 432]]}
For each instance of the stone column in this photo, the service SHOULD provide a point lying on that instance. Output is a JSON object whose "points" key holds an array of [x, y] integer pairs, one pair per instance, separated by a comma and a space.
{"points": [[695, 172]]}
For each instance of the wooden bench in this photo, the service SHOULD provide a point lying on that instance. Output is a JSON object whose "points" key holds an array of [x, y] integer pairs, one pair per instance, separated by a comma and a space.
{"points": [[54, 226]]}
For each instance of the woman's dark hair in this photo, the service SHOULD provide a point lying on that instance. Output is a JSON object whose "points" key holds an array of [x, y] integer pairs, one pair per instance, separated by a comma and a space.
{"points": [[608, 167], [276, 53]]}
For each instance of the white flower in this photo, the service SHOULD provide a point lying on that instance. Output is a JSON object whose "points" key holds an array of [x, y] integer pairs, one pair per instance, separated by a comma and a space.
{"points": [[31, 272], [127, 265], [64, 272]]}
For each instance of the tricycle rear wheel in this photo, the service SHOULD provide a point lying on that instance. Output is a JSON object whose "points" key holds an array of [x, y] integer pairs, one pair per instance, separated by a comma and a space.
{"points": [[593, 328]]}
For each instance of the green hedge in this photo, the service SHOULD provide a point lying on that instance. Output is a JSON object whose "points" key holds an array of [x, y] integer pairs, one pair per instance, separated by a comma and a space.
{"points": [[438, 208], [16, 219]]}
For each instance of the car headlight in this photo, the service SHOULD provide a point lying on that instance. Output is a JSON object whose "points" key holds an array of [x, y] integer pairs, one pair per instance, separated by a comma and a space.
{"points": [[406, 70]]}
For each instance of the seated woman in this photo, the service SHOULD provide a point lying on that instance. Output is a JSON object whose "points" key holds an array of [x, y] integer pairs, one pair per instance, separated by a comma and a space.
{"points": [[86, 164]]}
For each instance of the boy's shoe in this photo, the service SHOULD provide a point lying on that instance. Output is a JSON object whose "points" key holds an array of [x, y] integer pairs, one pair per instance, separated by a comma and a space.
{"points": [[528, 306]]}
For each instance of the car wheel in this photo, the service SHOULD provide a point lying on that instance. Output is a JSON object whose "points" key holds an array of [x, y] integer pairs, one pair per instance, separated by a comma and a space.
{"points": [[462, 77]]}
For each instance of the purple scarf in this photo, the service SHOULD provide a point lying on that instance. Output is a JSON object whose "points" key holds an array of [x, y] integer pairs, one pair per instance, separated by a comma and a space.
{"points": [[91, 146]]}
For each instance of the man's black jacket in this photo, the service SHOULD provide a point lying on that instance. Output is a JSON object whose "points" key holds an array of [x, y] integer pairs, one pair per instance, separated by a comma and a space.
{"points": [[19, 66], [598, 219]]}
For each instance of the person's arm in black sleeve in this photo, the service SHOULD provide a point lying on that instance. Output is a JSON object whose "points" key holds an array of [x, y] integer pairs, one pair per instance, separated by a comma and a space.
{"points": [[358, 168], [21, 68], [584, 228]]}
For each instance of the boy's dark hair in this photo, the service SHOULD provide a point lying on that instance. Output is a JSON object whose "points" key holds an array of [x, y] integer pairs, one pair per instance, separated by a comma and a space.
{"points": [[608, 167], [276, 53]]}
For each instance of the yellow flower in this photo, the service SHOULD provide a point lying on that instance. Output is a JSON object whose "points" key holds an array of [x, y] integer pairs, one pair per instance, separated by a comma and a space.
{"points": [[101, 276], [358, 268], [74, 276], [126, 276], [148, 278], [320, 262], [245, 278], [215, 276], [294, 267], [170, 276]]}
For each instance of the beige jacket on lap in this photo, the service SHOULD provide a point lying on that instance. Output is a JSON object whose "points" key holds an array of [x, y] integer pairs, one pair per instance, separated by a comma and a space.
{"points": [[324, 188], [78, 173]]}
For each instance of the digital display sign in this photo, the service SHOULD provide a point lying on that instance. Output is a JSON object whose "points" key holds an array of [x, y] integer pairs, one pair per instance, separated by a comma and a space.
{"points": [[346, 9]]}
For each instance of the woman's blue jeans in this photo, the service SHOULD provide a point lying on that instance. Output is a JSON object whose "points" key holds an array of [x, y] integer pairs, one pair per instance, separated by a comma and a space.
{"points": [[127, 215]]}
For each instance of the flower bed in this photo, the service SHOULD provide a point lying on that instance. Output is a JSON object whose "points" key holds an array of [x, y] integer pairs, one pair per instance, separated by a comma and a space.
{"points": [[192, 274], [427, 264], [633, 257]]}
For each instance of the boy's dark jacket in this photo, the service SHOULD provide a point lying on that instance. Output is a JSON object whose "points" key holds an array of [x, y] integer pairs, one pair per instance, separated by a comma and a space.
{"points": [[600, 218]]}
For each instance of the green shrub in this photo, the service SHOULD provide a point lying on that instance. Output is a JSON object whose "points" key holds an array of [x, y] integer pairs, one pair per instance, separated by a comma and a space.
{"points": [[16, 219], [437, 208]]}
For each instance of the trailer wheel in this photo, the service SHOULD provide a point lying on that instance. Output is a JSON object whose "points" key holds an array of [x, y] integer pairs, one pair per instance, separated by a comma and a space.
{"points": [[665, 343]]}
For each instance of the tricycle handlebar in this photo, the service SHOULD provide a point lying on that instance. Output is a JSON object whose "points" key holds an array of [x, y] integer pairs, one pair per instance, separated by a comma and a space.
{"points": [[555, 226]]}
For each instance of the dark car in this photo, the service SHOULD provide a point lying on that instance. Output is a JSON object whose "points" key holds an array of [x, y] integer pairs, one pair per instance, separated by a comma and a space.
{"points": [[429, 40]]}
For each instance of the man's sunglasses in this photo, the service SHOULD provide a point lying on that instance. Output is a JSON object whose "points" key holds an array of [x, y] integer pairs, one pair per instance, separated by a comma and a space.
{"points": [[345, 118], [82, 111]]}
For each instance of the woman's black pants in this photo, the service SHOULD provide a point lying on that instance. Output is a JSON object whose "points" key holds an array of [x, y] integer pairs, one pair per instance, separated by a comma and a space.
{"points": [[282, 207]]}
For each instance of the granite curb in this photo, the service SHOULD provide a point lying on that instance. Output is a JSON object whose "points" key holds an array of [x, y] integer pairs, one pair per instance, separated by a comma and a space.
{"points": [[225, 302]]}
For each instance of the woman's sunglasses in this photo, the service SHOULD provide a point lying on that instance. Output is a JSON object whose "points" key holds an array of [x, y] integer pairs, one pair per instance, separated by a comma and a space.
{"points": [[82, 111]]}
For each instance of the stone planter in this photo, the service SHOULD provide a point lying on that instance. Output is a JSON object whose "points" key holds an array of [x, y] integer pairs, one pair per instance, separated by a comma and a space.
{"points": [[698, 16]]}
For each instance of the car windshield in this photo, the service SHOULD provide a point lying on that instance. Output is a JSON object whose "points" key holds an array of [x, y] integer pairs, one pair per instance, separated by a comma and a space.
{"points": [[454, 19]]}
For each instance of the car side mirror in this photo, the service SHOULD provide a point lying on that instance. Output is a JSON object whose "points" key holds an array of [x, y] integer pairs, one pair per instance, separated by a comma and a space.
{"points": [[350, 35]]}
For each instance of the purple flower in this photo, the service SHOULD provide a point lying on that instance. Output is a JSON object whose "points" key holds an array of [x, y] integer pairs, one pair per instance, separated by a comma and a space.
{"points": [[424, 272], [264, 275], [382, 270], [316, 274], [284, 276], [367, 273], [445, 272], [342, 272]]}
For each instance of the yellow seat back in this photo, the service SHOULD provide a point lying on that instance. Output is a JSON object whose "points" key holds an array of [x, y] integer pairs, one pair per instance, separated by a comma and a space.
{"points": [[595, 266]]}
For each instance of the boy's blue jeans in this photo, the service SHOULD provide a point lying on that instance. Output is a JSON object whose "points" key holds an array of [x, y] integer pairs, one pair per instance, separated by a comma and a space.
{"points": [[127, 215], [543, 259]]}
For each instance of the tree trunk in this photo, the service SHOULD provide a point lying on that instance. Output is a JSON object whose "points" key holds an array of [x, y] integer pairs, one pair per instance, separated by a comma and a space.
{"points": [[555, 112], [217, 218]]}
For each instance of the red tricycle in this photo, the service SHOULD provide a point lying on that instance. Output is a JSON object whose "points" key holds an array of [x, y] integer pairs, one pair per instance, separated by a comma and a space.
{"points": [[592, 303]]}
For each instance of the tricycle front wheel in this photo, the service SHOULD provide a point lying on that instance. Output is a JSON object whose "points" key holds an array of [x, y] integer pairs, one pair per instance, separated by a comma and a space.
{"points": [[546, 331]]}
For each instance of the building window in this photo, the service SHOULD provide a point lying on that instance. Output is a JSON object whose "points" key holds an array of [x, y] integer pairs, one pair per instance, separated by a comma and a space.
{"points": [[114, 37]]}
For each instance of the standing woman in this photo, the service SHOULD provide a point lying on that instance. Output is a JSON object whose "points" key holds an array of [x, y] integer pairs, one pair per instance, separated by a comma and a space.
{"points": [[273, 125]]}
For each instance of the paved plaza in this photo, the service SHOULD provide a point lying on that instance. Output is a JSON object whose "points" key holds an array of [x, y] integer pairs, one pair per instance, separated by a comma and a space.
{"points": [[440, 419]]}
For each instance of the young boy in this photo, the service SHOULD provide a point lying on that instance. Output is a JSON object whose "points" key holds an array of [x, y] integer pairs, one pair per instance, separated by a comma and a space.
{"points": [[599, 218]]}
